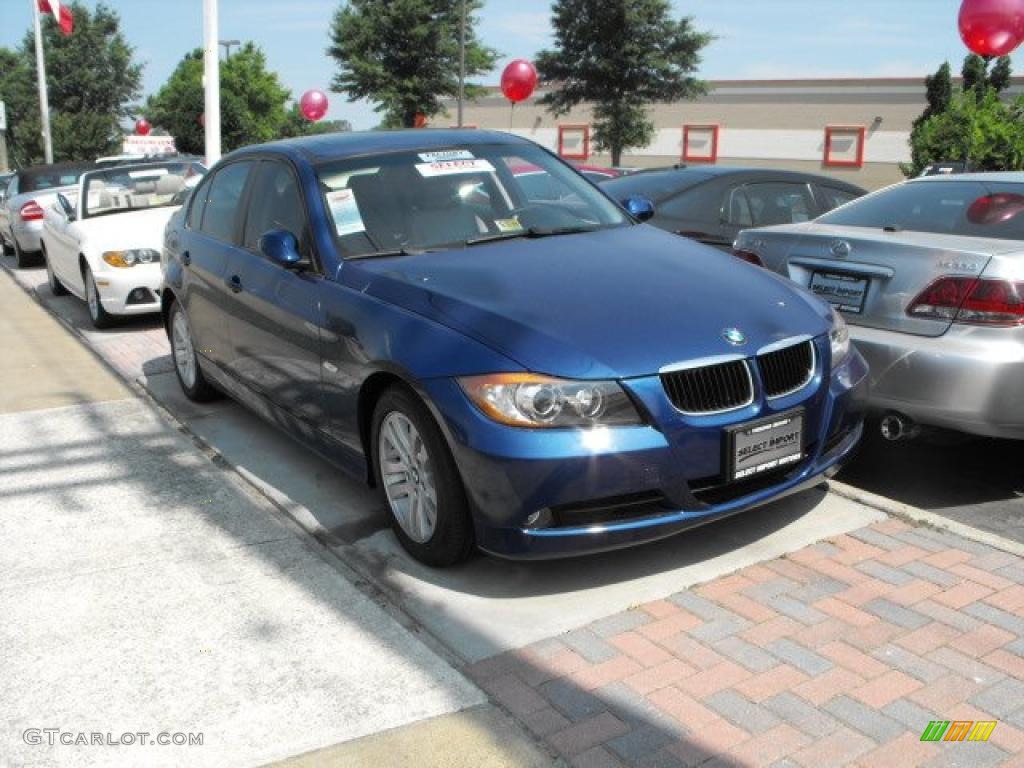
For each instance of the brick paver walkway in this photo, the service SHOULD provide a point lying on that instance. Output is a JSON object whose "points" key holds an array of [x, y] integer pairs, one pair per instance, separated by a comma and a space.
{"points": [[840, 654]]}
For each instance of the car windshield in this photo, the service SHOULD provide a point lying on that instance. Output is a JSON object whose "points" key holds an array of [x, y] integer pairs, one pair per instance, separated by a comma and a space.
{"points": [[456, 197], [966, 208], [51, 177], [121, 189]]}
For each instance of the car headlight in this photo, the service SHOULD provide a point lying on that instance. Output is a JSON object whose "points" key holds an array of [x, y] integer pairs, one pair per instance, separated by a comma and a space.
{"points": [[535, 401], [131, 257], [839, 339]]}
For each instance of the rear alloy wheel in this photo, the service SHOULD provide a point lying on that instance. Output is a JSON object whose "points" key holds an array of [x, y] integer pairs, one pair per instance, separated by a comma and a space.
{"points": [[56, 286], [100, 317], [7, 249], [421, 484], [186, 362]]}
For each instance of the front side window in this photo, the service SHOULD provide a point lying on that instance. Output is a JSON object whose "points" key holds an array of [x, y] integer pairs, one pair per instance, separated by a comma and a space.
{"points": [[967, 208], [833, 198], [453, 197], [275, 203], [223, 203]]}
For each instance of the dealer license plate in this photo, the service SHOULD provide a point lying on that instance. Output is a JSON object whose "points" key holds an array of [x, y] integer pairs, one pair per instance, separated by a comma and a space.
{"points": [[765, 445], [844, 292]]}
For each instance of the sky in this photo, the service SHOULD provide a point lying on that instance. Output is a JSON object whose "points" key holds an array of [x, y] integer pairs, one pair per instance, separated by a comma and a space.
{"points": [[755, 38]]}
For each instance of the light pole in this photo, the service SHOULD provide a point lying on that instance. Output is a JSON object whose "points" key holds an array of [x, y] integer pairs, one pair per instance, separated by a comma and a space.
{"points": [[211, 72], [462, 58], [227, 45]]}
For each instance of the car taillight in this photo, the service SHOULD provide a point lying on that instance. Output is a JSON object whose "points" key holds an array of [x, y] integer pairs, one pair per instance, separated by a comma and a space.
{"points": [[31, 211], [748, 256], [971, 300]]}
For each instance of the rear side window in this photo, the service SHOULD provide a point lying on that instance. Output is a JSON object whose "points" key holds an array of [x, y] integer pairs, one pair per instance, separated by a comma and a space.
{"points": [[779, 203], [967, 208], [833, 198], [221, 209]]}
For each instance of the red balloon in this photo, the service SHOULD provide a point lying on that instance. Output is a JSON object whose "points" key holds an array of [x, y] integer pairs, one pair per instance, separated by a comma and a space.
{"points": [[419, 120], [519, 80], [142, 127], [992, 27], [313, 105]]}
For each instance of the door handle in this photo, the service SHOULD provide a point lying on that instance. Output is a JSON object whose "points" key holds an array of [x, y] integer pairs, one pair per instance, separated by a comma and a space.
{"points": [[186, 259], [235, 284]]}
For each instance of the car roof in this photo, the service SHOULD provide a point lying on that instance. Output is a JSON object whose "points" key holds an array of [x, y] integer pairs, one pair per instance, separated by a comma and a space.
{"points": [[1009, 177], [332, 146]]}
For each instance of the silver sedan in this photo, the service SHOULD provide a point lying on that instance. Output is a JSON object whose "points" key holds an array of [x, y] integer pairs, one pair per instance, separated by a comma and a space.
{"points": [[929, 275]]}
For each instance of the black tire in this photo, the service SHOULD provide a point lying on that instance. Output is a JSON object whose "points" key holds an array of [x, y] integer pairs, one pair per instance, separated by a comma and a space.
{"points": [[451, 540], [22, 259], [56, 286], [196, 388], [5, 246], [100, 317]]}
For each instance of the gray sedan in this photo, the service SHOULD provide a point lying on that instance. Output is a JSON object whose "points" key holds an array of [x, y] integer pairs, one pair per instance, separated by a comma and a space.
{"points": [[929, 275], [23, 201]]}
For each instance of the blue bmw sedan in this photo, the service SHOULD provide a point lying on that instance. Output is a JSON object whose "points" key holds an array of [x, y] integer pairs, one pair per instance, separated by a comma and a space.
{"points": [[527, 369]]}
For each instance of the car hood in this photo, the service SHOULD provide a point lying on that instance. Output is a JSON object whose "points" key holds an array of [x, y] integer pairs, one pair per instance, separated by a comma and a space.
{"points": [[132, 229], [616, 303]]}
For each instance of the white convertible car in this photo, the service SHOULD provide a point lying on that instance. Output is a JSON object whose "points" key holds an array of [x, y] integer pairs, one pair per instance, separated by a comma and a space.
{"points": [[102, 243]]}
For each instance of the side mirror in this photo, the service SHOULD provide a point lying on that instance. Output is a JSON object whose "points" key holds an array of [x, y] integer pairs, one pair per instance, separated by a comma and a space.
{"points": [[281, 247], [640, 207], [66, 206]]}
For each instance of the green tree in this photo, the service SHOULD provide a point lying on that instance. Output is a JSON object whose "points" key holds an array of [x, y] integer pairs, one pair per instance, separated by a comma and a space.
{"points": [[403, 55], [92, 81], [975, 74], [999, 77], [620, 56], [938, 92], [297, 125], [987, 132], [252, 102]]}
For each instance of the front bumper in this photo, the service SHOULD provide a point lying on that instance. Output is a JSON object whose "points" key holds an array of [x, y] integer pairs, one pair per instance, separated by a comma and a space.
{"points": [[115, 287], [968, 379], [663, 473]]}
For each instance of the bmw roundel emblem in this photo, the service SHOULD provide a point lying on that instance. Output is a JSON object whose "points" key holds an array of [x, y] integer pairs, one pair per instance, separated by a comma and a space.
{"points": [[734, 336]]}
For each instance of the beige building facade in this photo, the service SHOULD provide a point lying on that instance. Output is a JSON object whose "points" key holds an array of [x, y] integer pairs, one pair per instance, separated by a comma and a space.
{"points": [[858, 130]]}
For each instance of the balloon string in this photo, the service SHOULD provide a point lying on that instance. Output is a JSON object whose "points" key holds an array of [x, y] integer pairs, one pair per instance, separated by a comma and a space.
{"points": [[511, 114]]}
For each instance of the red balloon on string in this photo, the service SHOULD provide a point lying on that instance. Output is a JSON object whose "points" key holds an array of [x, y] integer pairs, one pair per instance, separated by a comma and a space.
{"points": [[142, 127], [419, 120], [992, 27], [518, 80], [313, 105]]}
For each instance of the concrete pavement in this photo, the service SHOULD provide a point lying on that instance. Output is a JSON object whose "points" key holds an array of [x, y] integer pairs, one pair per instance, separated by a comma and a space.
{"points": [[144, 588]]}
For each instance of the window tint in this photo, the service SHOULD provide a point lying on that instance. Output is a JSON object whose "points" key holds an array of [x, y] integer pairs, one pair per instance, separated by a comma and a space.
{"points": [[737, 208], [275, 203], [969, 208], [198, 205], [779, 203], [832, 197], [222, 207]]}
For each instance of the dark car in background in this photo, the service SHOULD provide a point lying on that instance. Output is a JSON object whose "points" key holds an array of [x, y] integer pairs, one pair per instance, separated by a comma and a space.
{"points": [[712, 204]]}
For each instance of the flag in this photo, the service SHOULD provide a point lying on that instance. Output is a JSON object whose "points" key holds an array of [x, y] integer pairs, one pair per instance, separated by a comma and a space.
{"points": [[61, 12]]}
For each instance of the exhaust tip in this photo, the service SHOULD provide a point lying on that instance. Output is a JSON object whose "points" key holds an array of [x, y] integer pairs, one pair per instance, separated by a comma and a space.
{"points": [[896, 427]]}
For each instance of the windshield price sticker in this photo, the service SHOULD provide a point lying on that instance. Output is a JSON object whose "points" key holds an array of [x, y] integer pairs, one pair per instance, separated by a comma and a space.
{"points": [[509, 225], [345, 212], [448, 154], [453, 167]]}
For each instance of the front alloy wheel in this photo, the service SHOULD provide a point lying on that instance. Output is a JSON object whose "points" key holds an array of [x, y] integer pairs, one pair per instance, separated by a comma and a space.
{"points": [[421, 484], [99, 316], [186, 363]]}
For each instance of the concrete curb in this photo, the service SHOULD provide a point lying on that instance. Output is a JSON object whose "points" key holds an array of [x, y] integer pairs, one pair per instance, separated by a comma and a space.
{"points": [[919, 516]]}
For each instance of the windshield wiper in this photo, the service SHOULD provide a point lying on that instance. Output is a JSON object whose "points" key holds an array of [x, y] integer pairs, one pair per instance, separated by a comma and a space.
{"points": [[385, 254], [530, 233]]}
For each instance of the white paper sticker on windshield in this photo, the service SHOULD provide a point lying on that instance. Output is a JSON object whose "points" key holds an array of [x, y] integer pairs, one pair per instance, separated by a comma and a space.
{"points": [[446, 154], [345, 212], [452, 167]]}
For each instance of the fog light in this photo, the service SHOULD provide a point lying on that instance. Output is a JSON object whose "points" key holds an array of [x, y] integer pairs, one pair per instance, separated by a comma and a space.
{"points": [[539, 519]]}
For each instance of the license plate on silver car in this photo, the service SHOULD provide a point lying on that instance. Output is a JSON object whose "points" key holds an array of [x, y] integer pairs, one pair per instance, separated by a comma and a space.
{"points": [[844, 292], [765, 445]]}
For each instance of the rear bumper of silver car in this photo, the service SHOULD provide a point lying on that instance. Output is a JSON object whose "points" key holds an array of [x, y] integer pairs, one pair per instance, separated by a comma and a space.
{"points": [[970, 379]]}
